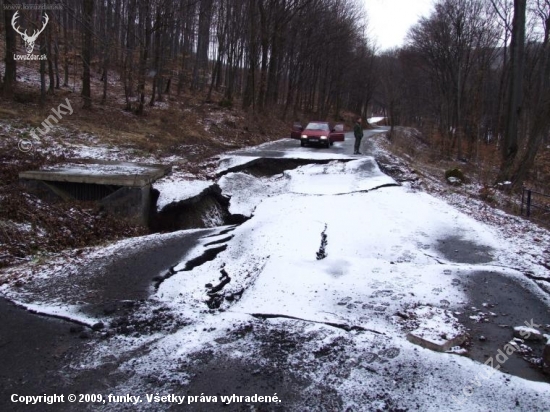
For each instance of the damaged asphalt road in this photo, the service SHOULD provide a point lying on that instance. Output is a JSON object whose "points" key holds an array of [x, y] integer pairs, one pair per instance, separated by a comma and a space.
{"points": [[309, 299], [127, 271]]}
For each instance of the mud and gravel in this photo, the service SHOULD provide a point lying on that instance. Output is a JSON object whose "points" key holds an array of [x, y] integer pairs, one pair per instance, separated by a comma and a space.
{"points": [[496, 304]]}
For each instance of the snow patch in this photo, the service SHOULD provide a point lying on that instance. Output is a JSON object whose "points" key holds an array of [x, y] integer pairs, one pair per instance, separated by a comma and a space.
{"points": [[176, 191]]}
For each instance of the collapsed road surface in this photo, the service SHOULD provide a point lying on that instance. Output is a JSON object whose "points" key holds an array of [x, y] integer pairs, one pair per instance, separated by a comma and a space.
{"points": [[341, 291]]}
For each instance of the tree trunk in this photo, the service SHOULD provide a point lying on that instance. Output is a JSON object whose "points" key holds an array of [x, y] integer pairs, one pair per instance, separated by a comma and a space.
{"points": [[541, 122], [157, 58], [56, 62], [42, 71], [51, 73], [8, 86], [510, 144], [264, 36], [65, 48], [128, 78], [203, 42], [188, 34], [250, 87], [144, 21], [106, 50], [116, 35], [88, 10]]}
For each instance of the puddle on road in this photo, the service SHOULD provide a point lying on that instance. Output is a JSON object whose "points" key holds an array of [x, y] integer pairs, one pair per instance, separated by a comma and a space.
{"points": [[456, 249], [512, 304]]}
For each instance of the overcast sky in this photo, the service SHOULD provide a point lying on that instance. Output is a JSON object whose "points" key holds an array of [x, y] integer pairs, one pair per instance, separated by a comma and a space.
{"points": [[389, 20]]}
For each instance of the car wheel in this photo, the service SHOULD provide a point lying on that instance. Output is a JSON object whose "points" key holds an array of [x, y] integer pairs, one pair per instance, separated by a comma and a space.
{"points": [[331, 143], [327, 145], [302, 143]]}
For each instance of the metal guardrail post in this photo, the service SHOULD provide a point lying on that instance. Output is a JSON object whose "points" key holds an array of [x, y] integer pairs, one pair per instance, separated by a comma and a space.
{"points": [[527, 204]]}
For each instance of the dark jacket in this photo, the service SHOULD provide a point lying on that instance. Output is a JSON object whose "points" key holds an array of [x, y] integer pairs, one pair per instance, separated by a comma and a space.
{"points": [[358, 131]]}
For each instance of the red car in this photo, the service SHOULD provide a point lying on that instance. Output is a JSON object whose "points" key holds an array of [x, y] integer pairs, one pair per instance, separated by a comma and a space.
{"points": [[296, 131], [321, 133]]}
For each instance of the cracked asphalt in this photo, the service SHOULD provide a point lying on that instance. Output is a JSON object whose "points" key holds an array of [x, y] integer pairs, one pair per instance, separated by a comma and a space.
{"points": [[40, 354]]}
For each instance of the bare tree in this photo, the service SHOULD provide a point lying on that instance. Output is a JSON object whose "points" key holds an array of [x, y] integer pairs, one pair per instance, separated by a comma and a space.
{"points": [[10, 73], [128, 65], [447, 41], [540, 124], [88, 10], [42, 71], [145, 43], [504, 12], [203, 42], [277, 56], [390, 74], [107, 13], [514, 104]]}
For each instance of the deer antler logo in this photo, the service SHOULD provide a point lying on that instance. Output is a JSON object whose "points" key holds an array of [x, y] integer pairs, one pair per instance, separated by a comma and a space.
{"points": [[29, 40]]}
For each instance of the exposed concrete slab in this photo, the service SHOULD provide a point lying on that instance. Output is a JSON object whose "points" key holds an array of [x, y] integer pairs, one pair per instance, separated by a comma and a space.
{"points": [[441, 345], [437, 329], [100, 172], [122, 188]]}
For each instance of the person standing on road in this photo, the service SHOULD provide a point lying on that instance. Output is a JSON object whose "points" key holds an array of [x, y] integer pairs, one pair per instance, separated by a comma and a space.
{"points": [[358, 133]]}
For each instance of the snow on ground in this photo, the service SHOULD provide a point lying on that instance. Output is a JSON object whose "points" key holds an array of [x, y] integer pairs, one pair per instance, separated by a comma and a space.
{"points": [[65, 270], [64, 141], [379, 257], [229, 162], [248, 155], [375, 119], [332, 253], [247, 191], [99, 169], [61, 310], [175, 191], [338, 178], [529, 243], [363, 230], [295, 153], [25, 74], [98, 151]]}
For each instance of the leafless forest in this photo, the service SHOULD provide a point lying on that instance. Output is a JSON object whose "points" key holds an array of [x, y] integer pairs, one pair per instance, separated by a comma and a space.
{"points": [[475, 73]]}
